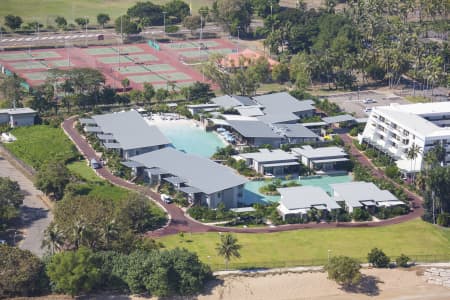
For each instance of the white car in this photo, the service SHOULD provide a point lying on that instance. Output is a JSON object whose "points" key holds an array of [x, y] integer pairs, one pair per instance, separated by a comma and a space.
{"points": [[368, 101], [166, 198], [368, 110]]}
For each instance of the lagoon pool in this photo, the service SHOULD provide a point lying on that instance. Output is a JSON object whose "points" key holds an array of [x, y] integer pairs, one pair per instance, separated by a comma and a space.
{"points": [[252, 194], [185, 136]]}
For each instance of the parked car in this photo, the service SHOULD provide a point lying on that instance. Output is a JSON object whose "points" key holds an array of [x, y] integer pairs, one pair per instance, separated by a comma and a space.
{"points": [[95, 164], [368, 101], [368, 110], [166, 198]]}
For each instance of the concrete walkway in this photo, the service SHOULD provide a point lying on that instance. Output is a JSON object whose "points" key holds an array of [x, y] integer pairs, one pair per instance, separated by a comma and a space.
{"points": [[36, 216]]}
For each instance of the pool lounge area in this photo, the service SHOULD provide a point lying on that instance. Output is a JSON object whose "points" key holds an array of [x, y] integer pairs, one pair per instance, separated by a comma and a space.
{"points": [[252, 194]]}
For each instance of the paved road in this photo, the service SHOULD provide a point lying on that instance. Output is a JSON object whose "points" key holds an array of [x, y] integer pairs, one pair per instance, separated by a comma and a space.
{"points": [[35, 214], [180, 222]]}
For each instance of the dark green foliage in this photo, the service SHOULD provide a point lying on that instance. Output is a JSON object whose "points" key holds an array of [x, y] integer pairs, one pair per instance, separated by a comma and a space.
{"points": [[21, 273], [392, 171], [52, 179], [73, 272], [360, 214], [344, 270], [402, 261], [198, 92], [146, 13], [176, 10], [102, 19], [391, 212], [443, 219], [13, 22], [125, 25], [241, 167], [11, 198], [224, 153], [378, 258], [113, 267], [205, 214]]}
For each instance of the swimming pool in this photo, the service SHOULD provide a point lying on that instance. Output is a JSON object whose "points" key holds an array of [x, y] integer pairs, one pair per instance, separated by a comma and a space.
{"points": [[252, 194], [185, 136]]}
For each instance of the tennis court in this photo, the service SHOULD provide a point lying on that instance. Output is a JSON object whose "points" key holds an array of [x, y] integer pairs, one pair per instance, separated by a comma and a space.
{"points": [[191, 45], [145, 78], [36, 76], [142, 57], [31, 65], [14, 56], [100, 51], [200, 53], [128, 49], [114, 59], [176, 76], [144, 69], [45, 54], [60, 63]]}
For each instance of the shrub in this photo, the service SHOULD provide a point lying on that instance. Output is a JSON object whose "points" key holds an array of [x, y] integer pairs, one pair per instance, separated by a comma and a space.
{"points": [[443, 219], [360, 214], [392, 171], [378, 258], [344, 270], [402, 261]]}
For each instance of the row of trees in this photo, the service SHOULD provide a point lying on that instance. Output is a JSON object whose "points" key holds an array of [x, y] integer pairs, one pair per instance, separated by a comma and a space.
{"points": [[16, 22]]}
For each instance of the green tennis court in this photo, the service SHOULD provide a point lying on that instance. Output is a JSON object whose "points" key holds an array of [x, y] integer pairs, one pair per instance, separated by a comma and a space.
{"points": [[128, 49], [114, 59], [142, 57], [31, 65], [145, 78], [100, 51], [14, 56], [199, 53], [59, 63], [36, 75], [45, 54], [144, 69], [176, 76], [191, 45]]}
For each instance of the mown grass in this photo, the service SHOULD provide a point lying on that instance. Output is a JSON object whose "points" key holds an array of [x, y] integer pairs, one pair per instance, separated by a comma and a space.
{"points": [[38, 144], [84, 171], [45, 11], [417, 239]]}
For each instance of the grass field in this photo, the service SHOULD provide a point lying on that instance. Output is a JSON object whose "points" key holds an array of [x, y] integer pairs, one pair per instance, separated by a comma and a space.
{"points": [[45, 11], [306, 247], [37, 144], [82, 169]]}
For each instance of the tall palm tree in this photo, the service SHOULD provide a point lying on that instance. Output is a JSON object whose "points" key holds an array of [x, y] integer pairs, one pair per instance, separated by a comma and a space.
{"points": [[412, 154], [53, 239], [228, 248]]}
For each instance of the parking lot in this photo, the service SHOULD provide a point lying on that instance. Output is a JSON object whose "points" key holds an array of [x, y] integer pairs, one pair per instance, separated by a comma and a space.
{"points": [[360, 103]]}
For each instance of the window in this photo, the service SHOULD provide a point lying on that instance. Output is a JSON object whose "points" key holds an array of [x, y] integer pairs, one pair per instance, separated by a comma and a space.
{"points": [[405, 132]]}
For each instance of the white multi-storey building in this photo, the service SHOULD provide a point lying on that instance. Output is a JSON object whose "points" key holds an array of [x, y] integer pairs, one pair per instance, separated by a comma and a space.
{"points": [[394, 129]]}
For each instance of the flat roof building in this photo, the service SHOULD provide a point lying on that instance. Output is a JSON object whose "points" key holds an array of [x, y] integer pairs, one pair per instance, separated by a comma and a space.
{"points": [[232, 101], [297, 201], [202, 180], [296, 133], [322, 158], [394, 129], [360, 194], [17, 117], [255, 133], [276, 162], [126, 132]]}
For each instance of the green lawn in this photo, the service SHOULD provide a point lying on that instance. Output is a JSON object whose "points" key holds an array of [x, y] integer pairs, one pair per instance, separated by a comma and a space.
{"points": [[37, 144], [82, 169], [416, 239], [45, 11]]}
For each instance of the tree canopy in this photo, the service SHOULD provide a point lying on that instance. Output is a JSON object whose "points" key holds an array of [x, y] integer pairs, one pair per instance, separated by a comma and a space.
{"points": [[344, 270]]}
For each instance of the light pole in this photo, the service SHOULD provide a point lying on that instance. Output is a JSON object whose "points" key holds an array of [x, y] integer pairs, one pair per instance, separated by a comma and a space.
{"points": [[164, 14]]}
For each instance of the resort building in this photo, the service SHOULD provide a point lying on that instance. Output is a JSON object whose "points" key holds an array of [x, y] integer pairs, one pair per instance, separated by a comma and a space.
{"points": [[203, 181], [295, 133], [297, 201], [17, 117], [232, 101], [125, 132], [254, 133], [199, 108], [283, 108], [276, 162], [360, 194], [396, 128], [323, 158]]}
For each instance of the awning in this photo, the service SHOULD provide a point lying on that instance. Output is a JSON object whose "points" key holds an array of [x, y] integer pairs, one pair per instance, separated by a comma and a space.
{"points": [[92, 129], [132, 164], [85, 121], [242, 209], [105, 136], [390, 203], [190, 190], [174, 180], [157, 171], [338, 119], [285, 164], [330, 160], [368, 202], [112, 145], [219, 122]]}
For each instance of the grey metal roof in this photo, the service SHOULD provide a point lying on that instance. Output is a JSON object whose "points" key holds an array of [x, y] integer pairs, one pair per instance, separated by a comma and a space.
{"points": [[282, 164], [207, 105], [361, 120], [199, 172], [314, 124], [295, 131], [266, 155], [174, 180], [320, 153], [190, 190], [281, 103], [132, 164], [130, 130], [228, 101], [253, 129], [112, 145], [156, 171], [18, 111], [357, 192], [85, 121], [93, 129], [329, 160], [339, 119], [105, 136], [250, 111], [271, 118], [305, 197]]}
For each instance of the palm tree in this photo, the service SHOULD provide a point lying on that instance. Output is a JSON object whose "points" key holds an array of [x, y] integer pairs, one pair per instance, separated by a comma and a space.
{"points": [[228, 247], [412, 154], [53, 239], [125, 84]]}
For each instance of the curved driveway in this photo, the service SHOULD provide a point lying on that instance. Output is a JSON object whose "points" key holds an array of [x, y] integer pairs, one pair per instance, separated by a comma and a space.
{"points": [[180, 222]]}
